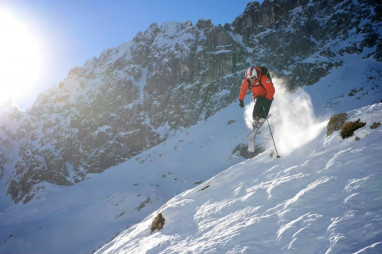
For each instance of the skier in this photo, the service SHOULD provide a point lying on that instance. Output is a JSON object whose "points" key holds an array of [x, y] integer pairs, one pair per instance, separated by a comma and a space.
{"points": [[258, 80]]}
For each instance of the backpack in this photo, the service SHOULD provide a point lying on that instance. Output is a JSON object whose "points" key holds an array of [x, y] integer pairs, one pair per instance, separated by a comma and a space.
{"points": [[264, 71]]}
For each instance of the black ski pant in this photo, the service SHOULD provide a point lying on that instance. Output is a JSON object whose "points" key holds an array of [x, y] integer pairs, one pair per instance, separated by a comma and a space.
{"points": [[261, 108]]}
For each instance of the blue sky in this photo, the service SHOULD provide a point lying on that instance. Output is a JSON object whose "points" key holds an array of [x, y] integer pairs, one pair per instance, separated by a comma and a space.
{"points": [[72, 31]]}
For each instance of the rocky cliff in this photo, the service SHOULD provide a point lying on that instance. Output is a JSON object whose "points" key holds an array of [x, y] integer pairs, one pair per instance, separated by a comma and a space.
{"points": [[305, 39], [171, 76]]}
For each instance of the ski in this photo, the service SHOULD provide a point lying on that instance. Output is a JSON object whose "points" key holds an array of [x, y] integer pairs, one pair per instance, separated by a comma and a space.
{"points": [[251, 137], [251, 145], [253, 134]]}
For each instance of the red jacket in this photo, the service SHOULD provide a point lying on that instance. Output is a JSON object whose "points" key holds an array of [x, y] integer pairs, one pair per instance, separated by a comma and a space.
{"points": [[262, 87]]}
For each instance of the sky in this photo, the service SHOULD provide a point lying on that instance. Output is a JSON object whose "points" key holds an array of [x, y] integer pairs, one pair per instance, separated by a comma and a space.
{"points": [[69, 32]]}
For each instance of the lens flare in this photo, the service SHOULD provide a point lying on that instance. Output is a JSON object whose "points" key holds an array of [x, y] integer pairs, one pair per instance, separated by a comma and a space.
{"points": [[20, 61]]}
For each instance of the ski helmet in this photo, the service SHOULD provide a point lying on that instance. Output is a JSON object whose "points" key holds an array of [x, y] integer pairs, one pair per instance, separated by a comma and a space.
{"points": [[251, 73]]}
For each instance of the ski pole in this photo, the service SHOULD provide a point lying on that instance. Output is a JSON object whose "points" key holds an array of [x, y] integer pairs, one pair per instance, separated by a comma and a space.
{"points": [[278, 156]]}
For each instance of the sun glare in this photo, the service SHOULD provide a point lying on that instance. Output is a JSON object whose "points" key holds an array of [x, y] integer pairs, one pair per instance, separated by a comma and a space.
{"points": [[20, 58]]}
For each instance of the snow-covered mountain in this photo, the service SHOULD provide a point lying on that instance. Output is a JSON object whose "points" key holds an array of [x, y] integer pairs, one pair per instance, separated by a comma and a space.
{"points": [[145, 121], [171, 76], [325, 197]]}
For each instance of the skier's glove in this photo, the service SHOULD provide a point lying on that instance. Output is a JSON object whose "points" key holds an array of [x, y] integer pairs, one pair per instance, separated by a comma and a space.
{"points": [[241, 103]]}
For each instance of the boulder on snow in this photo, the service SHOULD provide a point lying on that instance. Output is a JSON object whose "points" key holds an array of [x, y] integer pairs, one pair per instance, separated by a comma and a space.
{"points": [[350, 127], [157, 223], [335, 123]]}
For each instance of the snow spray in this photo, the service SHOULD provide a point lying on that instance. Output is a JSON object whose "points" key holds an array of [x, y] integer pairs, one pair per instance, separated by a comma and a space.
{"points": [[292, 118]]}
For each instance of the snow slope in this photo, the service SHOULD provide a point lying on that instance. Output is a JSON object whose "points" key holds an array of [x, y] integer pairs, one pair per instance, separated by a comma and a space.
{"points": [[325, 197]]}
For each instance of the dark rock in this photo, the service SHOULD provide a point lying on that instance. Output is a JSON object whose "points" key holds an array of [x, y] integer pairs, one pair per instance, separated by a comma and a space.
{"points": [[335, 123], [350, 127], [242, 150], [375, 125]]}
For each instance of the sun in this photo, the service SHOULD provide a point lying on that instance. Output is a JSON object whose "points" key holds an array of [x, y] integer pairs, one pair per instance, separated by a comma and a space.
{"points": [[20, 58]]}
